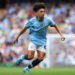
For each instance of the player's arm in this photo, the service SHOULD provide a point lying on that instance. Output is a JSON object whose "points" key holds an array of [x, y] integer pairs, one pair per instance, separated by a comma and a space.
{"points": [[27, 25], [19, 34], [59, 31]]}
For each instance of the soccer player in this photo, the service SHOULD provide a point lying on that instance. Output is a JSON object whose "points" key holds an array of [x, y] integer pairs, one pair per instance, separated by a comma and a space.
{"points": [[38, 26]]}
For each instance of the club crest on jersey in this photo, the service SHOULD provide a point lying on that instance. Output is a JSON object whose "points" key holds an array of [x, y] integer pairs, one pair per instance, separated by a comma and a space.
{"points": [[41, 25]]}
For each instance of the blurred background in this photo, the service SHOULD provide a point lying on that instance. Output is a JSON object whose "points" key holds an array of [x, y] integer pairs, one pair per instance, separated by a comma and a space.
{"points": [[13, 16]]}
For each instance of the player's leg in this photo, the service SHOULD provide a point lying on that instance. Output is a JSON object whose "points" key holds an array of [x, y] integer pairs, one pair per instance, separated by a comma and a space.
{"points": [[41, 54], [35, 62], [29, 56], [31, 50], [38, 60]]}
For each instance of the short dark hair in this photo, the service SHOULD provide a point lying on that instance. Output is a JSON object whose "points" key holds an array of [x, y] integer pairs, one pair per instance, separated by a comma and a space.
{"points": [[38, 6]]}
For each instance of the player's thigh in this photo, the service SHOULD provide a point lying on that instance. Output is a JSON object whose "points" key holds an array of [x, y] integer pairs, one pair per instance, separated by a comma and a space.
{"points": [[41, 52], [31, 54], [41, 55], [31, 50]]}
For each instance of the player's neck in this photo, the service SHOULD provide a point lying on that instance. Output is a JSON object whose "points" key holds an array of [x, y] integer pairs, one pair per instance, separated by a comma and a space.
{"points": [[39, 18]]}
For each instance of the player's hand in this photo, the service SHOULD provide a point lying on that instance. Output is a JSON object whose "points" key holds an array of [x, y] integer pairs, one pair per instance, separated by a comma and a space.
{"points": [[62, 38], [16, 40]]}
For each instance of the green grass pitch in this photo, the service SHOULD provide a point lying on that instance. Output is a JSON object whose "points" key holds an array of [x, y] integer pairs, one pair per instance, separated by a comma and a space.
{"points": [[34, 71]]}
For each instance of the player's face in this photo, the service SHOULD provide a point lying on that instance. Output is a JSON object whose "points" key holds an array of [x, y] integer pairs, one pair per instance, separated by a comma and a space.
{"points": [[41, 12]]}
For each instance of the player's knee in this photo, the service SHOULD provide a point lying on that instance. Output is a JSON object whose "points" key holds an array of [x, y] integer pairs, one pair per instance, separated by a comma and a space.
{"points": [[40, 58], [30, 57]]}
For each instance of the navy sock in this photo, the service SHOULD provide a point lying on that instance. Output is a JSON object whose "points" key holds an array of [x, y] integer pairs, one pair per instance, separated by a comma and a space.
{"points": [[34, 63], [26, 56]]}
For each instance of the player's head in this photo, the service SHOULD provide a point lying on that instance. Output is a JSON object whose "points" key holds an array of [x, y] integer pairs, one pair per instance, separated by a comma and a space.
{"points": [[39, 9]]}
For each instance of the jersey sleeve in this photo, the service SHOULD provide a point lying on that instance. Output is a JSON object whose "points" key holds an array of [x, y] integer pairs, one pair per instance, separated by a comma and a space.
{"points": [[28, 24], [51, 23]]}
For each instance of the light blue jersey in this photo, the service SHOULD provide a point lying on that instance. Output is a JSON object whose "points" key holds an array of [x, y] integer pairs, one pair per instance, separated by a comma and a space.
{"points": [[38, 30]]}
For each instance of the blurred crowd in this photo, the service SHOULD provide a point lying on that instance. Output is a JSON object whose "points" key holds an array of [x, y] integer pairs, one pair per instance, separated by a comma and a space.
{"points": [[14, 17], [63, 52]]}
